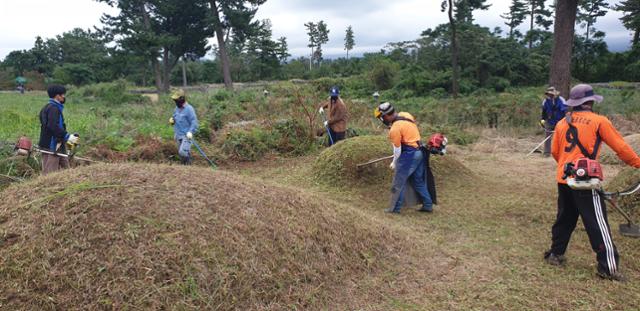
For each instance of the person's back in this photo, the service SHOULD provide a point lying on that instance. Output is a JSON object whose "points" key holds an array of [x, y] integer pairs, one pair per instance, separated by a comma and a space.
{"points": [[579, 135], [592, 129], [404, 131]]}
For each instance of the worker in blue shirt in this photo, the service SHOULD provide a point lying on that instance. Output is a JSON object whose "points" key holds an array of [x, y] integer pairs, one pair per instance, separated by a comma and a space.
{"points": [[554, 109], [185, 124]]}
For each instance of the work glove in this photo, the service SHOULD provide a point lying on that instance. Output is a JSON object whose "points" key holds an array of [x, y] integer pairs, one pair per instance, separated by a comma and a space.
{"points": [[172, 121], [392, 166], [542, 123], [326, 123], [74, 139], [321, 110], [189, 135]]}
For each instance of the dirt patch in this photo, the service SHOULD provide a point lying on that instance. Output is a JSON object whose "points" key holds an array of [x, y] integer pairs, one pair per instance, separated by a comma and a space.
{"points": [[133, 236]]}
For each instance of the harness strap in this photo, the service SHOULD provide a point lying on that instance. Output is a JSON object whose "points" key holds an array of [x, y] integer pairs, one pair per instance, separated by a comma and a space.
{"points": [[572, 136]]}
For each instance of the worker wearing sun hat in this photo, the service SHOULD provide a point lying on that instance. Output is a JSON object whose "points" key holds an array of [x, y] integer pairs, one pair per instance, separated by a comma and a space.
{"points": [[185, 124], [579, 135], [553, 110]]}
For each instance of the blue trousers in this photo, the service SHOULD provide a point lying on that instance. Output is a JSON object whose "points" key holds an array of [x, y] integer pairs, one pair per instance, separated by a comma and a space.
{"points": [[410, 166]]}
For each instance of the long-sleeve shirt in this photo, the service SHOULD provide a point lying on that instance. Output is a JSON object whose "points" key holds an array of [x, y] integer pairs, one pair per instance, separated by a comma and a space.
{"points": [[53, 130], [337, 115], [185, 121], [553, 110], [589, 126]]}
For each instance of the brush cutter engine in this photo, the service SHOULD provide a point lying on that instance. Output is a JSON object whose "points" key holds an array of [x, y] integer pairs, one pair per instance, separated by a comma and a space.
{"points": [[583, 174], [437, 144], [23, 146]]}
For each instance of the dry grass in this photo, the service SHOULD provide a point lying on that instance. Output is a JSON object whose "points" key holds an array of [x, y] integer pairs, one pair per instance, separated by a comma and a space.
{"points": [[280, 238], [156, 237], [608, 156]]}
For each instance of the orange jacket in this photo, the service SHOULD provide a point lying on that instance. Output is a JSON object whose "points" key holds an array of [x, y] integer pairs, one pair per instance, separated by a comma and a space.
{"points": [[589, 126], [404, 132]]}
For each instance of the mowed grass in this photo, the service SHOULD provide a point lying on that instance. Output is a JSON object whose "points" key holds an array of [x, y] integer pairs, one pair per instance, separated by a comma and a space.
{"points": [[491, 231]]}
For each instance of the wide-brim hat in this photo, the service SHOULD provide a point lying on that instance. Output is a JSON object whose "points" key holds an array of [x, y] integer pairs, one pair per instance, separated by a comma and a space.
{"points": [[552, 91], [581, 94]]}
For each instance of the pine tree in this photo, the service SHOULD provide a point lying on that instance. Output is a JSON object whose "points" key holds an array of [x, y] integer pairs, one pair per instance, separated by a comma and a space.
{"points": [[349, 41], [516, 15], [631, 17], [589, 11], [539, 15]]}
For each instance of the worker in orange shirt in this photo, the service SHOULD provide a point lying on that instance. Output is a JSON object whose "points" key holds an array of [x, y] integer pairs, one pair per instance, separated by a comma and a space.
{"points": [[408, 157], [579, 136]]}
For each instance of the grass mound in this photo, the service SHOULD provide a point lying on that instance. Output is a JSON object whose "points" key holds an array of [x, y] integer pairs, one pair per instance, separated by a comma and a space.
{"points": [[143, 236], [626, 178], [608, 156], [338, 164]]}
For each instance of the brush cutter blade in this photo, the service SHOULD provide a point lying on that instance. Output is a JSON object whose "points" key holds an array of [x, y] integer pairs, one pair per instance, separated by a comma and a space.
{"points": [[630, 230]]}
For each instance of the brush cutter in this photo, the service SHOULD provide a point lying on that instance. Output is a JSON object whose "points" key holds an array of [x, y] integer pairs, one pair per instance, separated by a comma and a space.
{"points": [[629, 229], [540, 144], [374, 161], [326, 127], [213, 165], [64, 155]]}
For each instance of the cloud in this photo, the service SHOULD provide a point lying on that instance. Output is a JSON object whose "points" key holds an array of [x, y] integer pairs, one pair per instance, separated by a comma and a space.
{"points": [[375, 22]]}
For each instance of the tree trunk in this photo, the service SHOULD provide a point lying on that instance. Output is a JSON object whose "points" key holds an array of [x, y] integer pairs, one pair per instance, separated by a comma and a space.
{"points": [[222, 49], [560, 67], [454, 52], [184, 72], [166, 85], [347, 54], [154, 59], [311, 59], [533, 10]]}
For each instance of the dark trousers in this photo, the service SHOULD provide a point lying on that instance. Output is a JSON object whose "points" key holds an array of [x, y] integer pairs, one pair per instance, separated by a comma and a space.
{"points": [[53, 163], [591, 208], [335, 136], [548, 131]]}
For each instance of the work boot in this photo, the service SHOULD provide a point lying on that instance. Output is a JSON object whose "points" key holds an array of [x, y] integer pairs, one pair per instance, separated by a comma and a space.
{"points": [[618, 277], [554, 260], [426, 209], [391, 211]]}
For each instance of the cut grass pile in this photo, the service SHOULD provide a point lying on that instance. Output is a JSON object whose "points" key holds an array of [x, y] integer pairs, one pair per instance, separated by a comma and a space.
{"points": [[133, 236], [608, 156], [625, 179], [337, 165]]}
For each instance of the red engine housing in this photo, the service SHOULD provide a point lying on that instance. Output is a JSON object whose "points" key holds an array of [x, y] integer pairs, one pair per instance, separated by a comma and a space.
{"points": [[437, 141], [24, 143], [586, 168]]}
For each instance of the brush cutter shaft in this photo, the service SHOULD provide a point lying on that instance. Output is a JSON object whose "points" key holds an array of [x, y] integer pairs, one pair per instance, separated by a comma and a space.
{"points": [[540, 144], [65, 155], [324, 118], [374, 161], [213, 165]]}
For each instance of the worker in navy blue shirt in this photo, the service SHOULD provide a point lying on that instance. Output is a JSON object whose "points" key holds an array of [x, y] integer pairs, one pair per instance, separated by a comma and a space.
{"points": [[185, 124], [54, 139], [554, 109]]}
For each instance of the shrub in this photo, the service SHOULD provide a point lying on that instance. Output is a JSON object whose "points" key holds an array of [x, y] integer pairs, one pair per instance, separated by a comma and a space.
{"points": [[383, 74], [111, 93]]}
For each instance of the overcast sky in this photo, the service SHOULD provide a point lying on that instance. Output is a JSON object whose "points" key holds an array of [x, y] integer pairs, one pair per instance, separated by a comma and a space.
{"points": [[375, 22]]}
